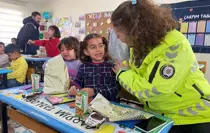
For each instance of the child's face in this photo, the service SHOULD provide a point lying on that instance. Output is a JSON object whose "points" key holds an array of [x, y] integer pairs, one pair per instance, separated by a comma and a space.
{"points": [[95, 49], [13, 56], [13, 41], [67, 54], [1, 49], [51, 32]]}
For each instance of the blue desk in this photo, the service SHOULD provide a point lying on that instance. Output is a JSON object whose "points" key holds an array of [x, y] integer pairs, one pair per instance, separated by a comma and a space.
{"points": [[59, 117], [4, 72], [35, 59], [36, 63]]}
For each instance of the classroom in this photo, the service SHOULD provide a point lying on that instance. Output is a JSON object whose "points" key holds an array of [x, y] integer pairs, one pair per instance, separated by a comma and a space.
{"points": [[104, 66]]}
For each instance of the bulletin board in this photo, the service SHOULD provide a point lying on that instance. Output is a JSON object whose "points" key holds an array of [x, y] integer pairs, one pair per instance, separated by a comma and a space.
{"points": [[99, 23], [65, 26], [80, 27], [194, 23]]}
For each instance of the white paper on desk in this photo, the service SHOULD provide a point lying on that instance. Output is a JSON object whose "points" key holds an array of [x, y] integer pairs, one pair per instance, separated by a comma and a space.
{"points": [[115, 112], [56, 77]]}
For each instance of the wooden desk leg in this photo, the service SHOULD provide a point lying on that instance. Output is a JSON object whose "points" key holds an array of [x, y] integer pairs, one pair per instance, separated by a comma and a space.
{"points": [[29, 123], [4, 118], [5, 81]]}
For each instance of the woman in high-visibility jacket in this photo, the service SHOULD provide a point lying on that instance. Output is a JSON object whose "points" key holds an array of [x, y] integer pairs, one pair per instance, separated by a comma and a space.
{"points": [[163, 72]]}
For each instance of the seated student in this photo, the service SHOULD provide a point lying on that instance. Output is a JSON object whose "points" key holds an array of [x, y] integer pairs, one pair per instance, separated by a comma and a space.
{"points": [[4, 61], [18, 66], [51, 45], [14, 41], [61, 69], [96, 75], [69, 50]]}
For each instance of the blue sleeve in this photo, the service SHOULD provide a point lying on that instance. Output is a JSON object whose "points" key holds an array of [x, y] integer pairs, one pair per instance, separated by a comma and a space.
{"points": [[80, 77]]}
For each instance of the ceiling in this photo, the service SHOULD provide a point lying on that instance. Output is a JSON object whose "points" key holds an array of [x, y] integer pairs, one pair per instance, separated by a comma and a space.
{"points": [[26, 2], [44, 2]]}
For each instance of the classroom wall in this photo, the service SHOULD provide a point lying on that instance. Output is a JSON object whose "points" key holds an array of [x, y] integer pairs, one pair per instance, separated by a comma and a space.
{"points": [[18, 7], [61, 8]]}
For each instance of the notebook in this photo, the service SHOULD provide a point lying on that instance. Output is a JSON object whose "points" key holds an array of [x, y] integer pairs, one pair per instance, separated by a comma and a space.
{"points": [[59, 99]]}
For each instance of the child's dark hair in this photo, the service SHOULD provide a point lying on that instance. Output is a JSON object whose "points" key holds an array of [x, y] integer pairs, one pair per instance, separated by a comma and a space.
{"points": [[35, 13], [1, 43], [56, 31], [70, 43], [14, 39], [11, 48], [144, 25], [83, 45]]}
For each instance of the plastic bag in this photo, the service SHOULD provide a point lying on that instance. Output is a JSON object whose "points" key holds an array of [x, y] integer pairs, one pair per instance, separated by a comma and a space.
{"points": [[56, 76], [117, 49], [115, 112]]}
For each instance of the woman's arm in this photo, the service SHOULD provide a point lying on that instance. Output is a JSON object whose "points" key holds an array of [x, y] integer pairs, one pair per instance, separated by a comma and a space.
{"points": [[164, 74]]}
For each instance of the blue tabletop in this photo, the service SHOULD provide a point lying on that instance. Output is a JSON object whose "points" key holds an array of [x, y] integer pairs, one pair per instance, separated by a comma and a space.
{"points": [[60, 117], [5, 71], [31, 58]]}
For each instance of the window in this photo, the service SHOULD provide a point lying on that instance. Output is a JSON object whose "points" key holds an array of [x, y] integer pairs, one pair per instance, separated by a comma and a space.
{"points": [[10, 24]]}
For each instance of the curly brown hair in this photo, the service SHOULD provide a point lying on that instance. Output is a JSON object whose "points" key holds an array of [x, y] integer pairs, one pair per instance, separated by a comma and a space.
{"points": [[144, 24], [83, 46], [70, 43]]}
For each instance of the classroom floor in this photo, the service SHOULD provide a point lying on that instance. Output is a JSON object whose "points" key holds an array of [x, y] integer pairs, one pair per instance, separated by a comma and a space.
{"points": [[14, 127]]}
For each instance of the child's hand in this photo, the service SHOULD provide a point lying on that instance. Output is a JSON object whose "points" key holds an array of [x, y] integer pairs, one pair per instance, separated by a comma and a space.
{"points": [[46, 35], [73, 91], [30, 42], [90, 91], [119, 65]]}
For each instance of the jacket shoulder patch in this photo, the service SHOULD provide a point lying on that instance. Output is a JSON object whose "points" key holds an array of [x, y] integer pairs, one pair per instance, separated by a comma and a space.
{"points": [[167, 71]]}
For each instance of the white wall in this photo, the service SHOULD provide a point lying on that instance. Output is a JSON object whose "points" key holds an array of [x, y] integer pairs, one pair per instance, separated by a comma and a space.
{"points": [[26, 9], [75, 8], [19, 7], [61, 8]]}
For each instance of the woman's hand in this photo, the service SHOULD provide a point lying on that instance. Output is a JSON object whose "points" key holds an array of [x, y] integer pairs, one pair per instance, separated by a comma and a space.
{"points": [[31, 42], [90, 91], [72, 91], [119, 65]]}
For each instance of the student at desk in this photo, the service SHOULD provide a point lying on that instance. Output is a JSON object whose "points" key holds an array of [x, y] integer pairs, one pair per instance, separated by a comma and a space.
{"points": [[18, 65], [69, 50], [63, 67], [4, 61], [163, 72], [53, 35], [95, 75]]}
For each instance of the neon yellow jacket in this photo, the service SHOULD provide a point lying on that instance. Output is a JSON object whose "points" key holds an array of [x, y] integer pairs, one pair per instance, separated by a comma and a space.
{"points": [[19, 68], [169, 82]]}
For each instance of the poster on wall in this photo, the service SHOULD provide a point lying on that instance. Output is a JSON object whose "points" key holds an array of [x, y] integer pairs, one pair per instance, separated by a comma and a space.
{"points": [[65, 26], [194, 24], [99, 23], [80, 28]]}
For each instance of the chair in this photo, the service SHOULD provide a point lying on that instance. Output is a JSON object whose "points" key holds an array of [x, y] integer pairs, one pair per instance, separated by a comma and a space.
{"points": [[202, 66]]}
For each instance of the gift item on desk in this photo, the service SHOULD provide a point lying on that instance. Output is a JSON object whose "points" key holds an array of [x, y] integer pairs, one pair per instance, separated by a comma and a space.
{"points": [[81, 104], [59, 99], [94, 120], [35, 78], [56, 77], [114, 112], [31, 93], [42, 52]]}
